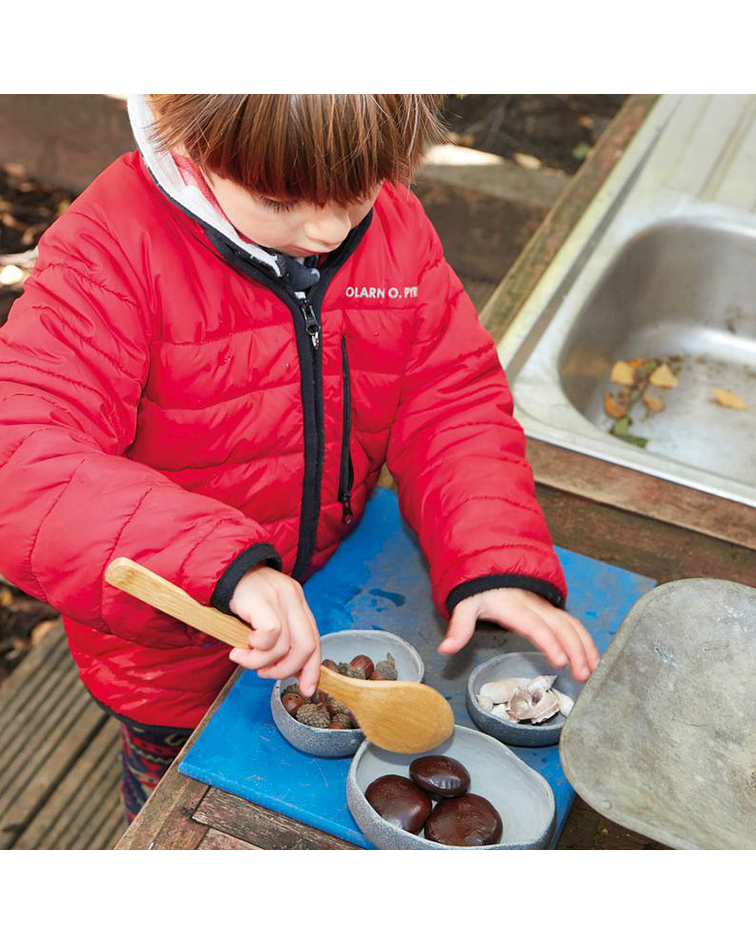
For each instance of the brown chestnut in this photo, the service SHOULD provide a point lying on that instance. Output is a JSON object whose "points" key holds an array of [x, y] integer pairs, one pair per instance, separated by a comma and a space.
{"points": [[329, 664], [440, 776], [363, 663], [399, 801], [467, 821]]}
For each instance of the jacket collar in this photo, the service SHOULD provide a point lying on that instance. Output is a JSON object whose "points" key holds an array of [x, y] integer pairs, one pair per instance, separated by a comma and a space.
{"points": [[168, 177]]}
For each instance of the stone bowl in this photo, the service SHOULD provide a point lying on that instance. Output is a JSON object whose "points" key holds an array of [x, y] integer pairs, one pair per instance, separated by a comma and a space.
{"points": [[523, 798], [529, 664], [341, 647]]}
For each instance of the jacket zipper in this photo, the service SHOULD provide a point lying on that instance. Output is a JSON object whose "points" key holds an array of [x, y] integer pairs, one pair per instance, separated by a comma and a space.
{"points": [[308, 332], [346, 475]]}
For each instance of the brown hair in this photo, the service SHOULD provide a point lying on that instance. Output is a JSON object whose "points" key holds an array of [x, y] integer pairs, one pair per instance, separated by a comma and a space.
{"points": [[316, 148]]}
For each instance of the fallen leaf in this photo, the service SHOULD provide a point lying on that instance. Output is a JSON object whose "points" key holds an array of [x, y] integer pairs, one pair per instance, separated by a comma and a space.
{"points": [[613, 409], [727, 399], [622, 373], [662, 377], [653, 403]]}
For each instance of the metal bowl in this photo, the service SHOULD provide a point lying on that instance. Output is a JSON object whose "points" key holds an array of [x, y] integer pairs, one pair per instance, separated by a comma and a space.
{"points": [[530, 664], [523, 798], [342, 647]]}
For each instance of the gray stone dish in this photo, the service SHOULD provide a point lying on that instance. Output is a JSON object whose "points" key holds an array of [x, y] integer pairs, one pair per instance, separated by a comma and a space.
{"points": [[523, 798], [529, 664], [342, 647]]}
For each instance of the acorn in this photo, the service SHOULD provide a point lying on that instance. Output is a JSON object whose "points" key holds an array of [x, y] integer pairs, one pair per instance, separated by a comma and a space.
{"points": [[294, 688], [329, 664], [346, 670], [291, 702], [341, 721], [334, 707], [385, 669], [364, 663], [314, 715]]}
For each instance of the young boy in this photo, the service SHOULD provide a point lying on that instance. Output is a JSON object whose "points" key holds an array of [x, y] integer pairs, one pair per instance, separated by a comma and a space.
{"points": [[223, 340]]}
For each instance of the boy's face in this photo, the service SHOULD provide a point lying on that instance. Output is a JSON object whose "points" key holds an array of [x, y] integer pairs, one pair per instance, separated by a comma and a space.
{"points": [[297, 229]]}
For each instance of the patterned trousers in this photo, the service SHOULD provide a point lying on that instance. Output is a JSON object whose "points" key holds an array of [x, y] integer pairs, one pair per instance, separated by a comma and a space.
{"points": [[146, 754]]}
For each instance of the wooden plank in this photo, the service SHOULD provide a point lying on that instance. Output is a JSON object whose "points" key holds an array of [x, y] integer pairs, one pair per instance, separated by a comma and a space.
{"points": [[262, 827], [524, 274], [215, 840], [31, 682], [38, 779], [51, 824], [585, 829], [647, 546], [646, 495]]}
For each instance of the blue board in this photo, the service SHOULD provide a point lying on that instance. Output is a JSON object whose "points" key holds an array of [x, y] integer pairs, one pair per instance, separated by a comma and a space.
{"points": [[378, 579]]}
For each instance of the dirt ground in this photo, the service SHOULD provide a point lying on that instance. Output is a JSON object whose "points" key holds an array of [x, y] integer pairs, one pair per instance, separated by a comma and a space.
{"points": [[554, 132], [549, 131]]}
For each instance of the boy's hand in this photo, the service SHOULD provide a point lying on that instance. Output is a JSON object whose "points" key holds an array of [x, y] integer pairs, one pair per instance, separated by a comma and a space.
{"points": [[561, 638], [284, 640]]}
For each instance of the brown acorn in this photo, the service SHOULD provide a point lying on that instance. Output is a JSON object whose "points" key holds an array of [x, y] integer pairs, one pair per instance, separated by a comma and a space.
{"points": [[291, 702], [319, 698], [314, 715], [329, 664], [335, 707], [385, 669], [341, 721]]}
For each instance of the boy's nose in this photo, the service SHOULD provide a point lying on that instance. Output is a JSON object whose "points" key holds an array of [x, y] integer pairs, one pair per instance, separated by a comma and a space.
{"points": [[328, 226]]}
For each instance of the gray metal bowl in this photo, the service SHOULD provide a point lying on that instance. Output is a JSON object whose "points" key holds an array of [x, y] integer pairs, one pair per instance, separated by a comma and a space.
{"points": [[341, 647], [530, 664], [523, 798]]}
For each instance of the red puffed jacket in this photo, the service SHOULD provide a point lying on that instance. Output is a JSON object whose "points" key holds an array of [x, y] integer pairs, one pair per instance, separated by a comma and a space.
{"points": [[165, 395]]}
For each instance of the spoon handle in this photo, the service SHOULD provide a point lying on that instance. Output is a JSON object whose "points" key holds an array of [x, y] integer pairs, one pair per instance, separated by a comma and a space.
{"points": [[149, 587]]}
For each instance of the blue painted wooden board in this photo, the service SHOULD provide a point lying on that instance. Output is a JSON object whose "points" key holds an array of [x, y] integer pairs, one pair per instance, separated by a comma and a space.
{"points": [[378, 579]]}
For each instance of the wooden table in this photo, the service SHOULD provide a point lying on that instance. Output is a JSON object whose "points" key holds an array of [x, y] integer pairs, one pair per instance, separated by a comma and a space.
{"points": [[620, 516]]}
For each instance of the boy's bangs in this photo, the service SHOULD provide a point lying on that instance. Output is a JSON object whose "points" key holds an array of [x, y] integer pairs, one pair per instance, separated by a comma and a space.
{"points": [[313, 148]]}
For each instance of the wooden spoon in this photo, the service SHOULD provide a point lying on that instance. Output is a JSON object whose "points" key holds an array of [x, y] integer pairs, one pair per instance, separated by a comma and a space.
{"points": [[404, 717]]}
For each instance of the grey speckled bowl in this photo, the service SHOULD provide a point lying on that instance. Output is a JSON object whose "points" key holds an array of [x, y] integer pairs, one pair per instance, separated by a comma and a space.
{"points": [[530, 664], [523, 798], [342, 647]]}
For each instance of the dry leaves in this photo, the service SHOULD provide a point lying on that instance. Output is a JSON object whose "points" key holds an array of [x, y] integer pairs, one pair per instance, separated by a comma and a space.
{"points": [[634, 377], [727, 399]]}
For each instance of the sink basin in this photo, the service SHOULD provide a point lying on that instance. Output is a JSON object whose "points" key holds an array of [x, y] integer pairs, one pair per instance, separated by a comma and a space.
{"points": [[658, 268], [676, 289]]}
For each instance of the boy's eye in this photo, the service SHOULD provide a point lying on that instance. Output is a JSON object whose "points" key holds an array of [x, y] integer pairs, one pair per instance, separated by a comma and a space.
{"points": [[278, 206]]}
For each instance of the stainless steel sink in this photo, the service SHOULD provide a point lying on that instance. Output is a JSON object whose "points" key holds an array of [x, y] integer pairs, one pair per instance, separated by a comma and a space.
{"points": [[662, 264]]}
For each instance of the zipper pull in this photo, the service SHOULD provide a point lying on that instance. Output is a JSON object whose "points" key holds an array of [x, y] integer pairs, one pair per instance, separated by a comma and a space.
{"points": [[347, 516], [311, 324]]}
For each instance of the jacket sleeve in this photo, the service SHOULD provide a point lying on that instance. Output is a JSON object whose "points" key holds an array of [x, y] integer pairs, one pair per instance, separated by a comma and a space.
{"points": [[74, 358], [458, 455]]}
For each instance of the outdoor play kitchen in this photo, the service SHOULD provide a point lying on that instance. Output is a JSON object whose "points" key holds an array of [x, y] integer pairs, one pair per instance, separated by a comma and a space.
{"points": [[627, 327]]}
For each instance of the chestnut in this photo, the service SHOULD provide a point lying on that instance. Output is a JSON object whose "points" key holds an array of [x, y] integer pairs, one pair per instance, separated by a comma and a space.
{"points": [[467, 821], [440, 776], [329, 664], [399, 801], [363, 663], [319, 698]]}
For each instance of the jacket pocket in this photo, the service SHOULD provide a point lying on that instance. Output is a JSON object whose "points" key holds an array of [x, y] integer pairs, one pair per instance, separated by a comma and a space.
{"points": [[346, 475]]}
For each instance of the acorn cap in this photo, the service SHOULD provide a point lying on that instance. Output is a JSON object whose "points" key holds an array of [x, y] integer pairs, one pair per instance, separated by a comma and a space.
{"points": [[346, 670], [314, 715], [342, 721]]}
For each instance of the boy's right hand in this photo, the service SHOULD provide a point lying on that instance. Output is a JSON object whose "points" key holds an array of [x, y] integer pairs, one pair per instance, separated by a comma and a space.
{"points": [[284, 640]]}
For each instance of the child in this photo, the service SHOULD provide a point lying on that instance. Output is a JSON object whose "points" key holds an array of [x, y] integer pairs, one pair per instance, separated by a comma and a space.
{"points": [[223, 340]]}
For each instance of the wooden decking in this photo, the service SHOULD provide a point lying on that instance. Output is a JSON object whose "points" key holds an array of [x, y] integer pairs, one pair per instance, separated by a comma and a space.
{"points": [[59, 758]]}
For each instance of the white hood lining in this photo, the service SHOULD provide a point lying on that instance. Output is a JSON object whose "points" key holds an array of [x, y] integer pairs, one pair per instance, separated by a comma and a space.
{"points": [[168, 176]]}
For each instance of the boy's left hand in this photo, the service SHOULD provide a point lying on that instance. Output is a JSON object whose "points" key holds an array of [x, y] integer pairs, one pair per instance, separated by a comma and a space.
{"points": [[560, 637]]}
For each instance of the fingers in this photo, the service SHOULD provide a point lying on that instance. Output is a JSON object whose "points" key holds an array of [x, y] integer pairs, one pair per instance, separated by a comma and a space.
{"points": [[304, 650], [558, 635], [284, 639]]}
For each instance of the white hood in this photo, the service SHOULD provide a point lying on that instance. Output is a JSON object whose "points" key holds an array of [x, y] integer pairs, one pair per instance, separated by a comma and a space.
{"points": [[164, 170]]}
